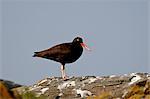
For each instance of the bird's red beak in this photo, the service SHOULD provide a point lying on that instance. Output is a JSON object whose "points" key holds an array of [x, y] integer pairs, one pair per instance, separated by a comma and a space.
{"points": [[85, 46]]}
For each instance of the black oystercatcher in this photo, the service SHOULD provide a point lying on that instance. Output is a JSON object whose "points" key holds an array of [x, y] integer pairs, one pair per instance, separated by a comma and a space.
{"points": [[64, 53]]}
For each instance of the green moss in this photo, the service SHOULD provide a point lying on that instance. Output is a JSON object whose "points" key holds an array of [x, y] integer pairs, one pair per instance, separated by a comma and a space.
{"points": [[26, 94], [31, 95]]}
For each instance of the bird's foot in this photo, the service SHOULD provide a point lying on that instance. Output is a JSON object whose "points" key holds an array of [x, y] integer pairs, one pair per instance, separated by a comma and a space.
{"points": [[65, 78]]}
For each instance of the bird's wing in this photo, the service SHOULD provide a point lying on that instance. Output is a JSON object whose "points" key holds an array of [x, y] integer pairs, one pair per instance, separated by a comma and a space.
{"points": [[60, 49], [56, 52]]}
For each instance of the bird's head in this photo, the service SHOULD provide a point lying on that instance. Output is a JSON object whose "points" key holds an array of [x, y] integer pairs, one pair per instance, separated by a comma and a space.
{"points": [[79, 40]]}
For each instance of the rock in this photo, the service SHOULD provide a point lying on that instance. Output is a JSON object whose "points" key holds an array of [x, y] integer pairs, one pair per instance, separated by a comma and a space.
{"points": [[128, 86], [6, 91], [10, 84]]}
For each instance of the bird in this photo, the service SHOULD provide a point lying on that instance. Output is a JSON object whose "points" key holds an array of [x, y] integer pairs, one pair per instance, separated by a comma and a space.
{"points": [[64, 53]]}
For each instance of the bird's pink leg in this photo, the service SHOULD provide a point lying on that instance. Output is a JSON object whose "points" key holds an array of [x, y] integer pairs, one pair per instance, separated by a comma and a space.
{"points": [[63, 74]]}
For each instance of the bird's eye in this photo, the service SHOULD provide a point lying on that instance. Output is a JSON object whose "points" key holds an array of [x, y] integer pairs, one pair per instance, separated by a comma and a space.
{"points": [[77, 39]]}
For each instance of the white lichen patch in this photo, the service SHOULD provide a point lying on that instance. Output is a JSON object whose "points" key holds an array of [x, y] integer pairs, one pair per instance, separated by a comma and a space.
{"points": [[133, 74], [99, 78], [118, 98], [135, 79], [35, 88], [60, 94], [125, 93], [66, 84], [90, 80], [125, 75], [112, 76], [83, 77], [148, 76], [44, 90], [83, 93], [41, 82]]}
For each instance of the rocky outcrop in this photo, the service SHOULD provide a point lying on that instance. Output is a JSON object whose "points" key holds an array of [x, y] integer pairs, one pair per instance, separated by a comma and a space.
{"points": [[6, 90], [128, 86]]}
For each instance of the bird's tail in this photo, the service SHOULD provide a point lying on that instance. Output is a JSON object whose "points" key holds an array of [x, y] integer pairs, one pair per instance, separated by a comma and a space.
{"points": [[35, 54]]}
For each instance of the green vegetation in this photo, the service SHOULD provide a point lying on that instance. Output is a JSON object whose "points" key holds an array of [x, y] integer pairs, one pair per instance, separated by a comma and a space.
{"points": [[31, 95]]}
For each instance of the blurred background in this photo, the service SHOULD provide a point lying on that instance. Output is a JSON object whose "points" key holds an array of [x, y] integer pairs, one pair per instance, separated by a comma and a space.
{"points": [[117, 31]]}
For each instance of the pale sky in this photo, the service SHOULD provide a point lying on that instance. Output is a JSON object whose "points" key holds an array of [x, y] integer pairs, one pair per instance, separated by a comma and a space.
{"points": [[115, 30]]}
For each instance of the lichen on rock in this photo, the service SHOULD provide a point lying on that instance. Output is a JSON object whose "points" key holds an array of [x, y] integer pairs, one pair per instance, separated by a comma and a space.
{"points": [[128, 86]]}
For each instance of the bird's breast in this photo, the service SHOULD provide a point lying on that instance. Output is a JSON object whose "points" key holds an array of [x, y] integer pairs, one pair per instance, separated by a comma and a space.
{"points": [[75, 53]]}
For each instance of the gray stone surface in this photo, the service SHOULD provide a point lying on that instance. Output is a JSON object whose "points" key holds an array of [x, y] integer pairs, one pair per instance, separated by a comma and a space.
{"points": [[127, 86]]}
